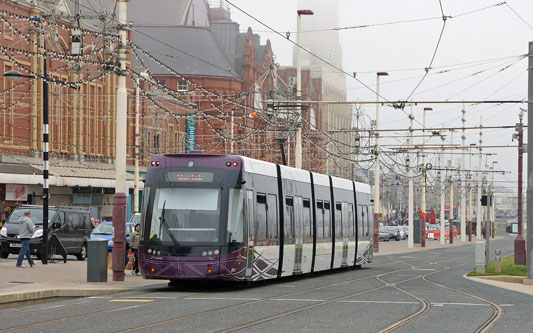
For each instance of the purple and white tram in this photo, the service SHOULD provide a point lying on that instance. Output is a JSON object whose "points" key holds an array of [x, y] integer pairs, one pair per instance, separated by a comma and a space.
{"points": [[233, 218]]}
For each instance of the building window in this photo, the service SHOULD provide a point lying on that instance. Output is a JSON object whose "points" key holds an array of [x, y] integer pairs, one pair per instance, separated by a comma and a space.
{"points": [[182, 85]]}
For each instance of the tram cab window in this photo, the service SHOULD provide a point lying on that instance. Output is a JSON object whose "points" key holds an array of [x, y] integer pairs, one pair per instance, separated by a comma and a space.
{"points": [[319, 219], [182, 215], [289, 220], [235, 232], [308, 231], [327, 220], [338, 220]]}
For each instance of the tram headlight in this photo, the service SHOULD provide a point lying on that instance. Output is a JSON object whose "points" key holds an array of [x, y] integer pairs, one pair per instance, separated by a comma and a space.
{"points": [[190, 164], [204, 253], [210, 253]]}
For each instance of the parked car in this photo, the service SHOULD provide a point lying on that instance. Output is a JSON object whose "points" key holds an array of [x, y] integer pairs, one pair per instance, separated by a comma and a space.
{"points": [[135, 218], [394, 232], [383, 235], [105, 231], [405, 229], [71, 225]]}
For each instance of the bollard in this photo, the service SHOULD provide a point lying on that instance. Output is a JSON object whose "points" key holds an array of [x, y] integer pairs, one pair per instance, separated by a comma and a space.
{"points": [[498, 262]]}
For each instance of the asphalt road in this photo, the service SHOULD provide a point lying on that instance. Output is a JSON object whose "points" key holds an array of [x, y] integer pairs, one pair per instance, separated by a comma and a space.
{"points": [[378, 297]]}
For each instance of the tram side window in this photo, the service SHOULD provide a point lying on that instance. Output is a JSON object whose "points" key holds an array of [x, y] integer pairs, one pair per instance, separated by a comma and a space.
{"points": [[319, 219], [338, 220], [367, 224], [308, 231], [260, 222], [272, 217], [289, 220], [351, 221], [327, 220], [360, 223]]}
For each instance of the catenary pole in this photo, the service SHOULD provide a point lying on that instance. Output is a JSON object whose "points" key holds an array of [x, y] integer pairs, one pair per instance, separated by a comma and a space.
{"points": [[377, 204], [479, 210], [442, 195], [298, 143], [529, 205], [410, 227], [463, 179], [450, 234], [44, 255], [120, 204], [470, 185], [136, 170], [520, 242]]}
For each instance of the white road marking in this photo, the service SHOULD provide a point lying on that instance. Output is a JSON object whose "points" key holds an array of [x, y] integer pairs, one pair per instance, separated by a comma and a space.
{"points": [[468, 304], [298, 300], [162, 297], [223, 298], [379, 302]]}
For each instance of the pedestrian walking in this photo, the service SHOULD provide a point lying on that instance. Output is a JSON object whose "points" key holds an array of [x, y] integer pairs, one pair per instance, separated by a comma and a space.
{"points": [[25, 233], [134, 243]]}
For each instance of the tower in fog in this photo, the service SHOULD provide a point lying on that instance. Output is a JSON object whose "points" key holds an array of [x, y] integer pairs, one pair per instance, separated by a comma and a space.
{"points": [[320, 39]]}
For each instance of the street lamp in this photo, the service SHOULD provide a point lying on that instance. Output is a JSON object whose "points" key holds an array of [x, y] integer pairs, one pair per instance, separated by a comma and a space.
{"points": [[376, 169], [298, 148]]}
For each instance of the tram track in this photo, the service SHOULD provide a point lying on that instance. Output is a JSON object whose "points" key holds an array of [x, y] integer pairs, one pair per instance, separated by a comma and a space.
{"points": [[485, 326], [252, 323], [44, 322], [26, 326], [379, 277]]}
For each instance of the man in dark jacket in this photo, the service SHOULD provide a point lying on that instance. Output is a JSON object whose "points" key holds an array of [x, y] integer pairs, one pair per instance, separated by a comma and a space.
{"points": [[25, 233]]}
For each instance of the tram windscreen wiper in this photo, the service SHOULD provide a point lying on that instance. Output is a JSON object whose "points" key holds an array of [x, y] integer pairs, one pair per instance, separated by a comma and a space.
{"points": [[164, 223]]}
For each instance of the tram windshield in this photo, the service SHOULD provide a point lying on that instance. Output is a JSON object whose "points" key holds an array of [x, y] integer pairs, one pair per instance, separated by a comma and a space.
{"points": [[185, 215]]}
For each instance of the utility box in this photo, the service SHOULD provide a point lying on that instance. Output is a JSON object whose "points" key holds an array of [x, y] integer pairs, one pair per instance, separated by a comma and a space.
{"points": [[417, 231], [97, 260], [480, 257]]}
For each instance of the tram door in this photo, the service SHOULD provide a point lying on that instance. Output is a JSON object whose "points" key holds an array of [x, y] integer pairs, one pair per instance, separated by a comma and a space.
{"points": [[345, 223], [250, 217], [299, 233]]}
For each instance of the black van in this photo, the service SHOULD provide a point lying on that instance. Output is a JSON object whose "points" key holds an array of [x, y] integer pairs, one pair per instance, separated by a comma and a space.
{"points": [[72, 225]]}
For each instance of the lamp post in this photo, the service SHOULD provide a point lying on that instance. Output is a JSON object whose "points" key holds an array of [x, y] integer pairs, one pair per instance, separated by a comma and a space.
{"points": [[377, 208], [14, 76], [298, 145]]}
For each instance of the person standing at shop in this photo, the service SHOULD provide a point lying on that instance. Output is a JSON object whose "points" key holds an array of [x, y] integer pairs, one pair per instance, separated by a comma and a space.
{"points": [[25, 233]]}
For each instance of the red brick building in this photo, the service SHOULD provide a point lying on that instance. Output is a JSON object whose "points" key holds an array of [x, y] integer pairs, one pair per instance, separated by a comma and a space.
{"points": [[199, 66]]}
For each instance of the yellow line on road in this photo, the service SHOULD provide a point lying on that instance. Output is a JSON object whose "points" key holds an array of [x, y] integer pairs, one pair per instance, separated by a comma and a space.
{"points": [[131, 300]]}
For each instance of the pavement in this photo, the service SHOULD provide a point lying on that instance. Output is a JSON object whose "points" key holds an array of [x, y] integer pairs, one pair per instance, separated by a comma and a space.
{"points": [[58, 279]]}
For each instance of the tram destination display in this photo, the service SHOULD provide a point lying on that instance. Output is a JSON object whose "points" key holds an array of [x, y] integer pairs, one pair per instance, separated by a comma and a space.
{"points": [[190, 177]]}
